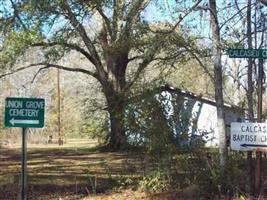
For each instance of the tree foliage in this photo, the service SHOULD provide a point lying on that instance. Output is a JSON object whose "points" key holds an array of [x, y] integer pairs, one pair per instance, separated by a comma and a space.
{"points": [[113, 36]]}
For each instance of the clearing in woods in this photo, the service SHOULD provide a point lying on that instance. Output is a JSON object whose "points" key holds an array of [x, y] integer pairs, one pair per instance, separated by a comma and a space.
{"points": [[76, 170]]}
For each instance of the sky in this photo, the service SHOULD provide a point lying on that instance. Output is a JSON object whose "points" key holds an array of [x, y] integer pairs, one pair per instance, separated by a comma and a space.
{"points": [[152, 13], [164, 11]]}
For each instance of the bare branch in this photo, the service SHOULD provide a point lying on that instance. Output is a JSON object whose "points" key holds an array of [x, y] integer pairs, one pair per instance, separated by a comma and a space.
{"points": [[186, 14], [15, 71], [137, 7], [181, 18], [108, 24], [191, 51], [103, 15], [233, 16], [82, 32], [239, 10], [16, 14], [116, 12], [77, 25], [141, 67], [236, 80], [134, 58], [49, 65], [68, 45], [39, 70], [263, 2]]}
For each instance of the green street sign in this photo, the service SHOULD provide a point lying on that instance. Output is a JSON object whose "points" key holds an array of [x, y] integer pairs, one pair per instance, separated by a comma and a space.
{"points": [[24, 112], [247, 53]]}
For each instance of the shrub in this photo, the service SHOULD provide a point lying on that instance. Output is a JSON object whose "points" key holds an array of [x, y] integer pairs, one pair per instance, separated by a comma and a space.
{"points": [[155, 181]]}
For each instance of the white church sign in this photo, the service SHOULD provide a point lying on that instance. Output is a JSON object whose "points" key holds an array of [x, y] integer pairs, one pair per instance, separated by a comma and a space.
{"points": [[249, 136]]}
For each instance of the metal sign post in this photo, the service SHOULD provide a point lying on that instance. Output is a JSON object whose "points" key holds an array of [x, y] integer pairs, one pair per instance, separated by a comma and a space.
{"points": [[24, 113], [260, 54], [258, 153], [24, 165]]}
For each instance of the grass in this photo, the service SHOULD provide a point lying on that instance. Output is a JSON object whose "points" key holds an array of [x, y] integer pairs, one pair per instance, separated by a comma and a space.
{"points": [[80, 170], [73, 170]]}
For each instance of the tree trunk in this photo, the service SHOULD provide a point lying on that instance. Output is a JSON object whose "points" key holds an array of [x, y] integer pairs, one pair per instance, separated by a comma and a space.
{"points": [[117, 138], [249, 96], [218, 84], [116, 106]]}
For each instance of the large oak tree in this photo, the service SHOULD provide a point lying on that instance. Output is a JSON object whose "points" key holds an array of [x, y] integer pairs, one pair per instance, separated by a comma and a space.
{"points": [[112, 35]]}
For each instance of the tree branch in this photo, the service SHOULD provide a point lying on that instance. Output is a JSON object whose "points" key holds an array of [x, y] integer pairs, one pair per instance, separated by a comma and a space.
{"points": [[185, 15], [105, 18], [136, 8], [263, 2], [134, 58], [116, 8], [107, 22], [199, 61], [82, 32], [49, 65], [181, 18], [236, 80], [16, 14], [87, 41], [68, 45], [232, 17], [39, 70], [141, 67]]}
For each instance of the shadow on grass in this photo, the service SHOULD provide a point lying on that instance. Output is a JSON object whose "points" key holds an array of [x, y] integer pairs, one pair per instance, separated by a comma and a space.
{"points": [[70, 171], [39, 192], [44, 187]]}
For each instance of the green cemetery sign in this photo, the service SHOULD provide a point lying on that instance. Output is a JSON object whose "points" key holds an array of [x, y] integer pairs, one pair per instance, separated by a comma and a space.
{"points": [[24, 112], [248, 53]]}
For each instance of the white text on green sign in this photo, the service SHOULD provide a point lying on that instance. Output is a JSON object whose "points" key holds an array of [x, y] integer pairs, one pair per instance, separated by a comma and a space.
{"points": [[24, 112], [248, 53]]}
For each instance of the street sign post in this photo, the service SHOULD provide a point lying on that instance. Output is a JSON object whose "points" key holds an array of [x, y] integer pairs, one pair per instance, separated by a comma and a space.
{"points": [[260, 54], [24, 187], [24, 113], [249, 136]]}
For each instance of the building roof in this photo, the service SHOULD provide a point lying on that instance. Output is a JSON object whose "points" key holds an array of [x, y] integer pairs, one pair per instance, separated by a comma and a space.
{"points": [[200, 98]]}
